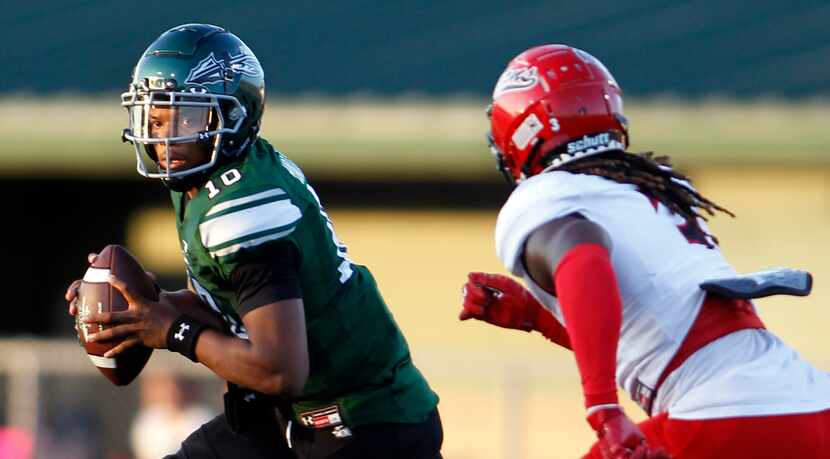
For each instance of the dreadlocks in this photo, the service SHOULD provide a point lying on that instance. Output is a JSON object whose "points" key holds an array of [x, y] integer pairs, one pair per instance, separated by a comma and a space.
{"points": [[654, 176]]}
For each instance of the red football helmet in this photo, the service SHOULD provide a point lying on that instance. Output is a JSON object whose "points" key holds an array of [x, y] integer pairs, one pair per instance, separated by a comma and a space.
{"points": [[553, 104]]}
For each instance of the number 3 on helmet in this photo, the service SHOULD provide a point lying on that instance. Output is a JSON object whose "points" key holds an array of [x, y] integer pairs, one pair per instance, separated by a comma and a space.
{"points": [[553, 104]]}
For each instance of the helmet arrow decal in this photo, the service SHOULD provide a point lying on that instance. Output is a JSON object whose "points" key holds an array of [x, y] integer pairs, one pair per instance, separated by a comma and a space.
{"points": [[212, 70]]}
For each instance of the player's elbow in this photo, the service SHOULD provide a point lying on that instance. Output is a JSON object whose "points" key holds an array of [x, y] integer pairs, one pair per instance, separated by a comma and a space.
{"points": [[285, 382]]}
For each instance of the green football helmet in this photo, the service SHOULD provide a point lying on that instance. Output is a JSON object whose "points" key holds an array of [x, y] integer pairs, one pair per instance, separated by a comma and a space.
{"points": [[210, 90]]}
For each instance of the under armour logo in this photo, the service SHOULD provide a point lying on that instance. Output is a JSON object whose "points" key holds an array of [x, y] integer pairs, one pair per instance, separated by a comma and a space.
{"points": [[180, 334]]}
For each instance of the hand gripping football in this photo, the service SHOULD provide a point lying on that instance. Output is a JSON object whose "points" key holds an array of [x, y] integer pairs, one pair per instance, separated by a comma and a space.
{"points": [[96, 295]]}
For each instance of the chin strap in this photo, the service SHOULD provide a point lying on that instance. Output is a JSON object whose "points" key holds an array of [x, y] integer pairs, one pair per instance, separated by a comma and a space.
{"points": [[196, 180], [188, 182]]}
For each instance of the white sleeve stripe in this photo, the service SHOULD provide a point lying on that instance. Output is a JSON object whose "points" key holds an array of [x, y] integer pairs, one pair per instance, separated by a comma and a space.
{"points": [[244, 200], [247, 222], [250, 243]]}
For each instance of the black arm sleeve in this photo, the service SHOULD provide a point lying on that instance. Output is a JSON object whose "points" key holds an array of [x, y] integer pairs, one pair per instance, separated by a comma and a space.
{"points": [[273, 277]]}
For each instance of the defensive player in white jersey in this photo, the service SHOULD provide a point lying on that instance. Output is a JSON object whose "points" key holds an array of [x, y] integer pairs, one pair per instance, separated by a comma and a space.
{"points": [[622, 269]]}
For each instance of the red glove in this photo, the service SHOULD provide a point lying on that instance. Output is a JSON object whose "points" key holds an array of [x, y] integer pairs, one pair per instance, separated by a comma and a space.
{"points": [[620, 438], [501, 301]]}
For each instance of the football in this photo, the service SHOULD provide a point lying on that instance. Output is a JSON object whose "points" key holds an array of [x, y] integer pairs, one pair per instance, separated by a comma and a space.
{"points": [[95, 294]]}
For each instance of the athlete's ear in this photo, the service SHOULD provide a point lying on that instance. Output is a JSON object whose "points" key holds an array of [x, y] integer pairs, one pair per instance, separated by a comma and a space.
{"points": [[549, 243]]}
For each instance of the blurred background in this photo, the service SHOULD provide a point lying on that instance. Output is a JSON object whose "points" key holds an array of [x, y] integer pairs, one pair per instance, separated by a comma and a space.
{"points": [[382, 104]]}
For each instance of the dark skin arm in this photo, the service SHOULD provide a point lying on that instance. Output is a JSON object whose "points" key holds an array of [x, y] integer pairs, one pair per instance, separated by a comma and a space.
{"points": [[274, 359], [550, 242]]}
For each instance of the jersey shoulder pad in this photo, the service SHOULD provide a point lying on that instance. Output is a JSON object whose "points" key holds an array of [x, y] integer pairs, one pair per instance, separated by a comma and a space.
{"points": [[247, 220], [539, 200]]}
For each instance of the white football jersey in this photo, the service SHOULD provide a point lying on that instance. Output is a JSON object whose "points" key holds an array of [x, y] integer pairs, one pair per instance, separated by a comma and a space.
{"points": [[659, 264]]}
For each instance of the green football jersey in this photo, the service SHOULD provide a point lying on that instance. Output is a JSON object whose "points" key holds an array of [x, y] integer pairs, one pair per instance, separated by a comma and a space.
{"points": [[360, 366]]}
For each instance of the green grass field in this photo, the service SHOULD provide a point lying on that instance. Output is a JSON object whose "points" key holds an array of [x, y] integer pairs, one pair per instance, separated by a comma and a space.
{"points": [[409, 139]]}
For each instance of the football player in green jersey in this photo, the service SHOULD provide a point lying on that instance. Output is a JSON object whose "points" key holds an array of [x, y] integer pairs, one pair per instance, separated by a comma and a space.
{"points": [[307, 333]]}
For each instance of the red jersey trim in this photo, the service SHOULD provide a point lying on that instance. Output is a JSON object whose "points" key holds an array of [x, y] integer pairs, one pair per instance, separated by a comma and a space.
{"points": [[718, 317]]}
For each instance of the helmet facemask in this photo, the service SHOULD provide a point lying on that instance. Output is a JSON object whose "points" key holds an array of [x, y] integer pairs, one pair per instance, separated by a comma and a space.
{"points": [[164, 119], [501, 159]]}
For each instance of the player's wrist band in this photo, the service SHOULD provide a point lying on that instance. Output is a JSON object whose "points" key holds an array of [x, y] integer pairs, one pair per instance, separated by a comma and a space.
{"points": [[598, 415], [607, 406], [182, 336]]}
